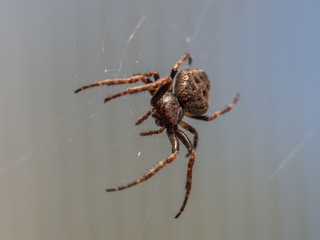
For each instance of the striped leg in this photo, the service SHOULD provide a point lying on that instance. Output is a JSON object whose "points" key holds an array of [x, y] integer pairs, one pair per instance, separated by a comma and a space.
{"points": [[148, 87], [185, 140], [148, 174], [150, 74], [152, 132], [175, 148], [178, 64], [218, 113], [135, 78], [140, 120]]}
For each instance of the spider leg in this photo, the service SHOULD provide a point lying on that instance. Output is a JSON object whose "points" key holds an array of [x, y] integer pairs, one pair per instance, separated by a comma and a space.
{"points": [[178, 64], [135, 78], [189, 128], [150, 74], [140, 120], [150, 86], [218, 113], [115, 81], [175, 148], [152, 132], [168, 86], [186, 141]]}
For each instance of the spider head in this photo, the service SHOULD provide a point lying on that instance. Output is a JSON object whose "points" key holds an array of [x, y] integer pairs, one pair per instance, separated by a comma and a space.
{"points": [[168, 112]]}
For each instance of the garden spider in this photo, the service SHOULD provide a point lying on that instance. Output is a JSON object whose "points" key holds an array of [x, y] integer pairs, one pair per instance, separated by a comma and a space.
{"points": [[190, 98]]}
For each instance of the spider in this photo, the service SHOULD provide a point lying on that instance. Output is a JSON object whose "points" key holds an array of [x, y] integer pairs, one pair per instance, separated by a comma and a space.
{"points": [[190, 98]]}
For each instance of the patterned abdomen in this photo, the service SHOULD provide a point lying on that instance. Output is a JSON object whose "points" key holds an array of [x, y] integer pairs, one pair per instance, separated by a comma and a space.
{"points": [[192, 87]]}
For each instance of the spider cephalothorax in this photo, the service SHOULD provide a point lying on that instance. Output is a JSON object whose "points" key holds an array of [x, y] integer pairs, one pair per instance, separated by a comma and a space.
{"points": [[168, 112], [190, 98]]}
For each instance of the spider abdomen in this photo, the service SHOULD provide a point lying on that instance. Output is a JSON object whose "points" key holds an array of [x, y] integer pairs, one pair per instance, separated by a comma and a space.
{"points": [[192, 87]]}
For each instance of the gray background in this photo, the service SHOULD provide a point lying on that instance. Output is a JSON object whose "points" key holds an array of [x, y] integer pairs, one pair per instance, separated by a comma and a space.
{"points": [[257, 169]]}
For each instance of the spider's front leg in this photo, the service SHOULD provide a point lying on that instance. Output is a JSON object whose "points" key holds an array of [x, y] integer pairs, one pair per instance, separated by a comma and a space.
{"points": [[148, 87], [115, 81], [140, 120], [144, 77], [150, 74]]}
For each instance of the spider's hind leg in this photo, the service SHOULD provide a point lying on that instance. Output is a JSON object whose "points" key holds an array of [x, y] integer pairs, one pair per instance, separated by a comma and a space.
{"points": [[186, 141], [218, 113], [175, 148]]}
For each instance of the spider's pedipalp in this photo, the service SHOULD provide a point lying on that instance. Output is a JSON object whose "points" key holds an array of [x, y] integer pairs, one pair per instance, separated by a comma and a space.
{"points": [[152, 132], [140, 120]]}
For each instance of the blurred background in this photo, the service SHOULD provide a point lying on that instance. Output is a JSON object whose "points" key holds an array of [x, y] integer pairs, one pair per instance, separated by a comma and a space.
{"points": [[257, 167]]}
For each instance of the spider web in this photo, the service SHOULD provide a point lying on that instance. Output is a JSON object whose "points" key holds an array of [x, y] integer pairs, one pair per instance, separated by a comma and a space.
{"points": [[99, 143]]}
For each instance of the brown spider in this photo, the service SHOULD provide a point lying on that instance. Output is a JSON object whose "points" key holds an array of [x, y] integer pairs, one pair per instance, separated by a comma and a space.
{"points": [[190, 98]]}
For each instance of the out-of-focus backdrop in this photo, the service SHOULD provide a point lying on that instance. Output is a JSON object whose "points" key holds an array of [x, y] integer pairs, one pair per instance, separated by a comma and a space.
{"points": [[257, 169]]}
